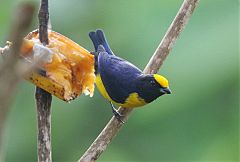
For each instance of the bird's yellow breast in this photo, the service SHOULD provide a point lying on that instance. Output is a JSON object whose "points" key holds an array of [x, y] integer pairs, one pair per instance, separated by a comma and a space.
{"points": [[132, 101], [101, 88]]}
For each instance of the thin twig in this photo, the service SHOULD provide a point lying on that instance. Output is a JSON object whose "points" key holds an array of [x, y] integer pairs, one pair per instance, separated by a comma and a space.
{"points": [[43, 98], [9, 77], [113, 126]]}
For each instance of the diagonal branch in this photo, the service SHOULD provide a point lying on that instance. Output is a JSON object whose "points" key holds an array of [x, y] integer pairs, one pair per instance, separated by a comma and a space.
{"points": [[112, 128], [43, 98]]}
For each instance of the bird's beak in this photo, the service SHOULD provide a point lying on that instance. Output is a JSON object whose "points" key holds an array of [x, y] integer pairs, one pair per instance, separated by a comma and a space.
{"points": [[165, 90]]}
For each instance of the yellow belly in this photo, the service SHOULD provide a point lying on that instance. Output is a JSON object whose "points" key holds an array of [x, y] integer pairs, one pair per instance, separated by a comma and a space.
{"points": [[101, 88], [132, 101]]}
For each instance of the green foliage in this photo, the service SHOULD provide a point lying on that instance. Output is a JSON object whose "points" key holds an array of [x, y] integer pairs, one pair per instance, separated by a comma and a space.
{"points": [[198, 122]]}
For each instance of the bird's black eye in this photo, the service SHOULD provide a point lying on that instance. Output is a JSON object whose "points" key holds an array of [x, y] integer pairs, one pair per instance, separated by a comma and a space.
{"points": [[152, 82]]}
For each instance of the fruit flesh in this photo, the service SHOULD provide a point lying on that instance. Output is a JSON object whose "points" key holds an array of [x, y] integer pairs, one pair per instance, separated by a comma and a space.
{"points": [[69, 67]]}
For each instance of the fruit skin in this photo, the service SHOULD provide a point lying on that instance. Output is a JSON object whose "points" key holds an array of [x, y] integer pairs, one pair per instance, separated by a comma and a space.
{"points": [[47, 84], [69, 67]]}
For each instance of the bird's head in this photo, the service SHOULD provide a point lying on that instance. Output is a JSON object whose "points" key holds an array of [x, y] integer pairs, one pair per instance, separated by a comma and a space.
{"points": [[151, 86], [162, 83]]}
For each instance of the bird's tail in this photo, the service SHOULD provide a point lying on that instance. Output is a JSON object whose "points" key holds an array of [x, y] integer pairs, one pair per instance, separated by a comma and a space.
{"points": [[98, 38]]}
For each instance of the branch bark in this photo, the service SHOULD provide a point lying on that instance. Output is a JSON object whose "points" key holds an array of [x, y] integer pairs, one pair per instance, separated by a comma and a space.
{"points": [[9, 70], [43, 98], [112, 128]]}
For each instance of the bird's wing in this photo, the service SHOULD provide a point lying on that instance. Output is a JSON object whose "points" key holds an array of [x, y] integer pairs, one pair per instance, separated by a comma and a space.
{"points": [[118, 76]]}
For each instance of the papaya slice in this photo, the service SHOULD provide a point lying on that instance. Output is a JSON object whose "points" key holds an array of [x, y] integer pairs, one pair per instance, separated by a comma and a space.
{"points": [[66, 69]]}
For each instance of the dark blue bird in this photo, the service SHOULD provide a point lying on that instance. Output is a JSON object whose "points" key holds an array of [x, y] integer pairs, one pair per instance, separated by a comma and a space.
{"points": [[121, 82]]}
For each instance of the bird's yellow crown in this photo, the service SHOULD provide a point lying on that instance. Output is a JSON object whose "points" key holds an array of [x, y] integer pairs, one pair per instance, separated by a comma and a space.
{"points": [[161, 80]]}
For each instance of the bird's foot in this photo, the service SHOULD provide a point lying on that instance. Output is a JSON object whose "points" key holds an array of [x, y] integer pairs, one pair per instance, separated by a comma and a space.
{"points": [[117, 115]]}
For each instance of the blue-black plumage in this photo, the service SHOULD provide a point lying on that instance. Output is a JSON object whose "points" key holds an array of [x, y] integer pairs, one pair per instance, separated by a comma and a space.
{"points": [[120, 81], [98, 38]]}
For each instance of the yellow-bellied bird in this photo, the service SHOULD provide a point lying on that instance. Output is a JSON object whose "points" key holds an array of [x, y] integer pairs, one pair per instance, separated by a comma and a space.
{"points": [[121, 82]]}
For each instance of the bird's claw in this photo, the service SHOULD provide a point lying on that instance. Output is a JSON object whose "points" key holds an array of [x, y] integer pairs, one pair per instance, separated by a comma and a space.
{"points": [[118, 116]]}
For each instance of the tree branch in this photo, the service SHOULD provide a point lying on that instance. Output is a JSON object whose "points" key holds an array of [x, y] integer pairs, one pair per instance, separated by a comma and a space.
{"points": [[43, 98], [9, 69], [113, 126]]}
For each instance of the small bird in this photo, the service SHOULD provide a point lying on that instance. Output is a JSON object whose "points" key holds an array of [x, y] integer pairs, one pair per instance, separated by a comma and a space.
{"points": [[121, 82]]}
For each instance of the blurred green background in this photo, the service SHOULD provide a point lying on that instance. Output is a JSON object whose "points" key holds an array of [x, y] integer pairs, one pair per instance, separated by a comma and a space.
{"points": [[198, 122]]}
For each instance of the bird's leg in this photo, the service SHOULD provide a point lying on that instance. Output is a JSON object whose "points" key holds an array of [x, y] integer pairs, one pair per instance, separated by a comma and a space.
{"points": [[117, 114]]}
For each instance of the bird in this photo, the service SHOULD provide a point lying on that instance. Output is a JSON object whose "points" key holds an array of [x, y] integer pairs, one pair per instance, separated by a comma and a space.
{"points": [[121, 82]]}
